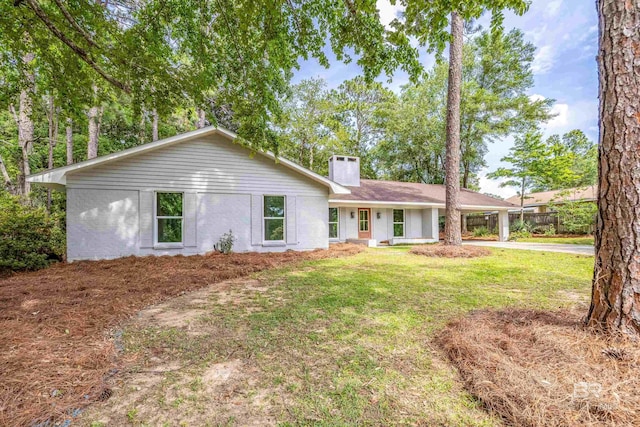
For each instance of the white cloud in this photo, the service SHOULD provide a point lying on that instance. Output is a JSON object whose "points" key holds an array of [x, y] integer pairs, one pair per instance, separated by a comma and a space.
{"points": [[553, 7], [388, 12], [543, 60], [561, 120]]}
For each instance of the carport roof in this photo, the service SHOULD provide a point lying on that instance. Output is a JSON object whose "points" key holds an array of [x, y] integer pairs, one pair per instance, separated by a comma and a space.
{"points": [[413, 193]]}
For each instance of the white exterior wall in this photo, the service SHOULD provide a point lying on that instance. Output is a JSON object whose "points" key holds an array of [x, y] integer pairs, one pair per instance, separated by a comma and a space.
{"points": [[380, 228], [417, 225], [110, 207]]}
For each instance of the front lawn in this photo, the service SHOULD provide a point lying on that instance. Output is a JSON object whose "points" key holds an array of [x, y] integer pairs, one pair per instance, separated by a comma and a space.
{"points": [[330, 342], [587, 240], [55, 323]]}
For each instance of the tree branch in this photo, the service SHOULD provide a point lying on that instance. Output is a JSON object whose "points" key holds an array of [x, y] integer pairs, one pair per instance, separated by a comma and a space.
{"points": [[75, 25], [12, 110], [33, 4]]}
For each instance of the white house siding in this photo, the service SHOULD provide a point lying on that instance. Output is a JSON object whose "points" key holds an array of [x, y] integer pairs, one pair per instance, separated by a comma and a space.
{"points": [[380, 231], [102, 224], [417, 223], [110, 207]]}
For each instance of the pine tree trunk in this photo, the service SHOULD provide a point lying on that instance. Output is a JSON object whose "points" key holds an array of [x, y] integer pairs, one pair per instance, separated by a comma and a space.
{"points": [[95, 116], [53, 139], [69, 132], [452, 234], [155, 125], [201, 119], [94, 132], [615, 296]]}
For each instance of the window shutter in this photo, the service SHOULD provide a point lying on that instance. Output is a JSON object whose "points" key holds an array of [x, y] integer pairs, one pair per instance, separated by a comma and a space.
{"points": [[146, 219], [342, 225], [389, 223], [291, 220], [190, 220], [256, 219]]}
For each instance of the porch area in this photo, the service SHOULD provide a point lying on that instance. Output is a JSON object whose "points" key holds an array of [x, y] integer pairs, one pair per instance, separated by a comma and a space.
{"points": [[373, 225]]}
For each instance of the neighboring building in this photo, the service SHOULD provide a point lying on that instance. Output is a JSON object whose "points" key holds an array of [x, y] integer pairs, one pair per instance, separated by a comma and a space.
{"points": [[539, 202], [181, 194]]}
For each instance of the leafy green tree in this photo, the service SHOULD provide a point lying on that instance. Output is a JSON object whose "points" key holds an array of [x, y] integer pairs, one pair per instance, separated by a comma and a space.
{"points": [[496, 77], [573, 159], [428, 21], [577, 216], [528, 164], [243, 52], [495, 80], [306, 134], [413, 148], [362, 114]]}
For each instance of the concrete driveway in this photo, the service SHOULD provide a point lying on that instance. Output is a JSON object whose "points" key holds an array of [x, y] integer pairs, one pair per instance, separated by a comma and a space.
{"points": [[546, 247]]}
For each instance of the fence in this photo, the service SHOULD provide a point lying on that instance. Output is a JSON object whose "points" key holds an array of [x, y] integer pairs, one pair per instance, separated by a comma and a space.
{"points": [[539, 221]]}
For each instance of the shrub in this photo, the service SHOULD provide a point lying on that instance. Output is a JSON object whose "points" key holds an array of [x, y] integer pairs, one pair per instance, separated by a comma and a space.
{"points": [[577, 217], [519, 225], [30, 238], [225, 244], [522, 234], [481, 231], [551, 231]]}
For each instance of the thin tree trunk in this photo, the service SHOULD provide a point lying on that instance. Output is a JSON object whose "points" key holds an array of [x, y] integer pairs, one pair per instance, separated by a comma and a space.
{"points": [[155, 125], [5, 175], [615, 296], [25, 125], [201, 119], [522, 201], [143, 129], [53, 138], [452, 234], [95, 116], [69, 131], [94, 132]]}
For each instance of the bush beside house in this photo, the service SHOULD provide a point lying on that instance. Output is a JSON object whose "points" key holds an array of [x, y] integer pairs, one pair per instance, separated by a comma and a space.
{"points": [[30, 238]]}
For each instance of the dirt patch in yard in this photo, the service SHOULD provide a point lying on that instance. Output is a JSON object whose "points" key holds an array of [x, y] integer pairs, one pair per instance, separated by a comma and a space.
{"points": [[55, 324], [443, 251], [540, 368]]}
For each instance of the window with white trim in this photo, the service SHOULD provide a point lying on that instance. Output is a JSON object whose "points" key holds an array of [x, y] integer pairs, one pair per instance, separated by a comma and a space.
{"points": [[169, 219], [333, 223], [274, 218], [398, 223]]}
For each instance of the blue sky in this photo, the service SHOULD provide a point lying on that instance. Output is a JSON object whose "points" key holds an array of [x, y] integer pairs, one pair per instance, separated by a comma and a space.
{"points": [[565, 35]]}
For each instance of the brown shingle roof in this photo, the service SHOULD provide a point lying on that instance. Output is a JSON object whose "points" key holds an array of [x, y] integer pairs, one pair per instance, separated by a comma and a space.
{"points": [[413, 192], [544, 197]]}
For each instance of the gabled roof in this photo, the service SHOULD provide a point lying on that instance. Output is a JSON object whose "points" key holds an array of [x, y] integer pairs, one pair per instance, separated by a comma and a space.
{"points": [[57, 178], [413, 193], [585, 194]]}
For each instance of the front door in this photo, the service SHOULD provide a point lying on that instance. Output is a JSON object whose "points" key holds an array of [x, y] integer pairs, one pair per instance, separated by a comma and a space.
{"points": [[364, 223]]}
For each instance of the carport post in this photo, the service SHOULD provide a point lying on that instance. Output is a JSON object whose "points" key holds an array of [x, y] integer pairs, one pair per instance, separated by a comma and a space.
{"points": [[503, 225]]}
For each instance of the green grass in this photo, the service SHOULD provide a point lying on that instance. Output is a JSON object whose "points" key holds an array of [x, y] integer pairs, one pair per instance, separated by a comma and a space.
{"points": [[348, 341], [588, 240]]}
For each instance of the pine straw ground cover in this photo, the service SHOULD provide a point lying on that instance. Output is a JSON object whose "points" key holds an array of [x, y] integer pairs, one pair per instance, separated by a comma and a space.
{"points": [[55, 323], [543, 368], [442, 251]]}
